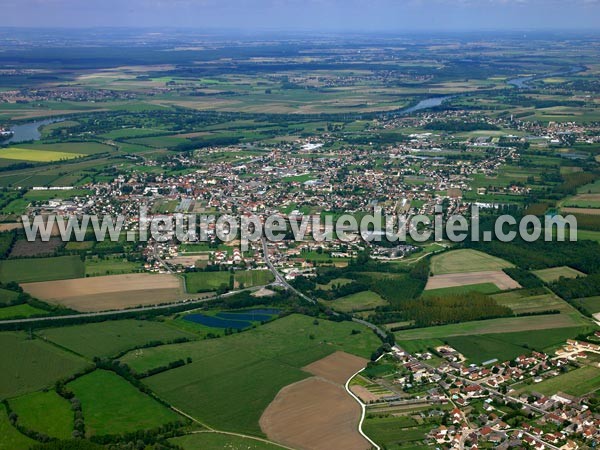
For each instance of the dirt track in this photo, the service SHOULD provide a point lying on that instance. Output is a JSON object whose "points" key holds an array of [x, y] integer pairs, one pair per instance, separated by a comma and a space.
{"points": [[318, 413], [497, 277], [108, 292]]}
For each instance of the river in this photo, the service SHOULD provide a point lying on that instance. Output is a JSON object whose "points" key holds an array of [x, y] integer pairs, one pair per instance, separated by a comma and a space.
{"points": [[522, 82], [29, 131]]}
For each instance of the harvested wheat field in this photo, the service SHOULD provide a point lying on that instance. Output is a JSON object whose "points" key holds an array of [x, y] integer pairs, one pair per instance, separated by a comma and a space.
{"points": [[318, 413], [109, 292], [337, 367], [590, 211], [314, 414], [497, 277]]}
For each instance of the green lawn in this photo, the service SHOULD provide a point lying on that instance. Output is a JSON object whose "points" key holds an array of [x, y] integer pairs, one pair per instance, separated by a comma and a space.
{"points": [[466, 260], [10, 438], [218, 441], [111, 405], [31, 365], [41, 269], [359, 301], [206, 281], [232, 379], [111, 337], [45, 412], [554, 273]]}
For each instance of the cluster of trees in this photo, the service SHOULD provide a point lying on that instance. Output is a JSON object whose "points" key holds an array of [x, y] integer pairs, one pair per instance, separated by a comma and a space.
{"points": [[341, 290], [160, 369], [524, 277], [572, 288], [581, 255], [7, 240], [456, 126], [453, 309]]}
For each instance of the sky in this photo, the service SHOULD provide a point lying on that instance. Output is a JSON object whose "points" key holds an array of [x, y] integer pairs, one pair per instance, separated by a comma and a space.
{"points": [[298, 15]]}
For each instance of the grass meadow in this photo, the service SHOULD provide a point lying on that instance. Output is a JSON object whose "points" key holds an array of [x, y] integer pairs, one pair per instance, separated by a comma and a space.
{"points": [[466, 260], [31, 364], [359, 301], [11, 438], [111, 337], [555, 273], [45, 412], [41, 269], [219, 441], [196, 282], [111, 405]]}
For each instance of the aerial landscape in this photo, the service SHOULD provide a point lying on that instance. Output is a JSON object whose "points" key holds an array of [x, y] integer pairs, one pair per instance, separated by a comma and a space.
{"points": [[251, 228]]}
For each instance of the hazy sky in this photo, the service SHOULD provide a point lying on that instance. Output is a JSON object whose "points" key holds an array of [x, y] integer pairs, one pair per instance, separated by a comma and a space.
{"points": [[325, 15]]}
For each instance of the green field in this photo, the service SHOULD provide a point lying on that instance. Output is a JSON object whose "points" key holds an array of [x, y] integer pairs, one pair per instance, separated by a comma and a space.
{"points": [[219, 441], [392, 431], [70, 148], [507, 346], [359, 301], [206, 281], [484, 288], [334, 282], [466, 260], [26, 154], [502, 325], [77, 246], [111, 337], [45, 412], [11, 439], [554, 273], [591, 304], [44, 196], [251, 278], [109, 266], [111, 405], [252, 366], [20, 311], [41, 269], [576, 382], [521, 301], [30, 365]]}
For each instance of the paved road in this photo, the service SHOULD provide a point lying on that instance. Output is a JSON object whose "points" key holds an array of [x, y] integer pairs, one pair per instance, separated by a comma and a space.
{"points": [[280, 279]]}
